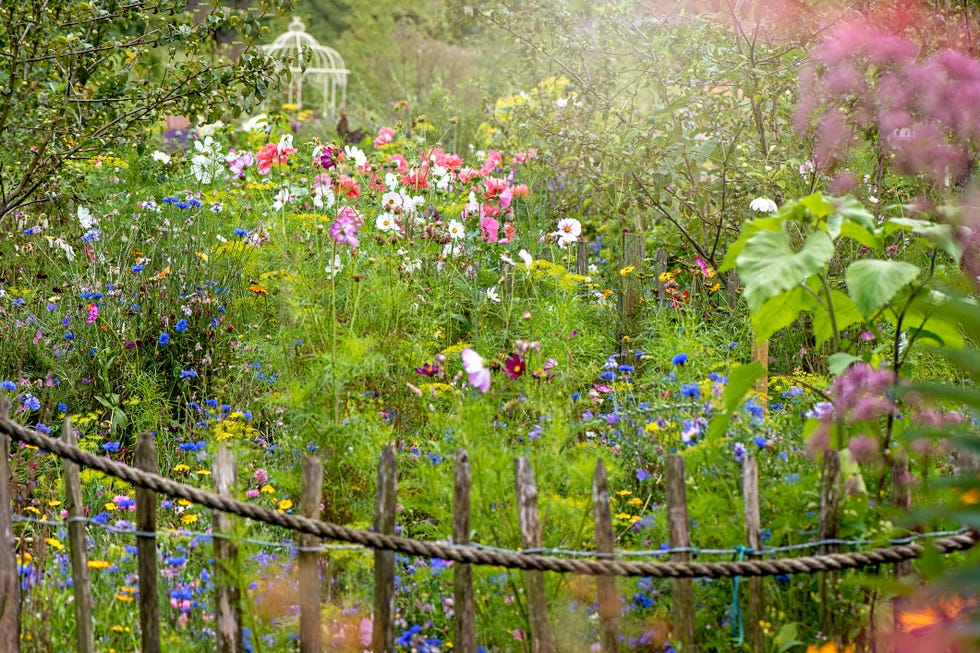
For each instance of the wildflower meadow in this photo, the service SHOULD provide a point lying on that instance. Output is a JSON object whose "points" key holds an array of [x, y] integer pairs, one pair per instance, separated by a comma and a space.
{"points": [[718, 232]]}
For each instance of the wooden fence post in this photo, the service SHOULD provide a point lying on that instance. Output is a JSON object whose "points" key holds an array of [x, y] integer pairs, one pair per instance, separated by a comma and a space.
{"points": [[582, 258], [9, 581], [228, 636], [605, 585], [310, 636], [683, 588], [750, 493], [463, 600], [760, 352], [634, 252], [530, 520], [659, 267], [383, 637], [84, 635], [829, 529], [146, 547]]}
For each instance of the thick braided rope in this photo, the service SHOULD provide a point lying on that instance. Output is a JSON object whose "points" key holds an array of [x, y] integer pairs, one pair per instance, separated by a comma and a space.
{"points": [[474, 555]]}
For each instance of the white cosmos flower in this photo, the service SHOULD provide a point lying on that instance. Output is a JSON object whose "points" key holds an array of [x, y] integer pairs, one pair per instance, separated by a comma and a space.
{"points": [[525, 256], [442, 177], [334, 267], [493, 296], [353, 152], [386, 222], [392, 200], [569, 229], [391, 180], [323, 196], [456, 229], [281, 199], [763, 205], [259, 123], [86, 218], [162, 157]]}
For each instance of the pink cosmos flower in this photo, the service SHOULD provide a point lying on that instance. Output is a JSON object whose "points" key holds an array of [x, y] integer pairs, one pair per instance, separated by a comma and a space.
{"points": [[344, 229], [399, 161], [479, 375], [93, 313], [489, 228], [238, 162], [492, 162], [385, 135]]}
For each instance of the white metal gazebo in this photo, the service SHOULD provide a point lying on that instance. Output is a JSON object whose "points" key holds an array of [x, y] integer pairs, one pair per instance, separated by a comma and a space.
{"points": [[311, 62]]}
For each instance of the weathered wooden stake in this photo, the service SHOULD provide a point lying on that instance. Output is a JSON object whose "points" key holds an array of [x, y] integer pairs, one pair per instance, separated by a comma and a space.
{"points": [[753, 524], [605, 585], [310, 637], [582, 258], [383, 637], [84, 635], [9, 582], [463, 599], [537, 601], [829, 529], [659, 267], [634, 252], [228, 637], [683, 588], [146, 547]]}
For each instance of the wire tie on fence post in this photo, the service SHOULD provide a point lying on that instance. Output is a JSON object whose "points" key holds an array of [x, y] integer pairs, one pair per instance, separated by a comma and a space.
{"points": [[738, 632]]}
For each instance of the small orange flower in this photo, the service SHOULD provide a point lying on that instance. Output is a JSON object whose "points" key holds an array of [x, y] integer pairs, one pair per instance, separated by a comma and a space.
{"points": [[257, 289]]}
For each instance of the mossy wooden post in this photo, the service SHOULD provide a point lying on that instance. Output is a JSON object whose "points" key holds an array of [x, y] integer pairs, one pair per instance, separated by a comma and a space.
{"points": [[582, 258], [146, 547], [383, 637], [530, 521], [750, 493], [605, 585], [310, 636], [659, 267], [9, 581], [680, 538], [84, 635], [463, 600], [829, 529], [228, 636], [634, 252]]}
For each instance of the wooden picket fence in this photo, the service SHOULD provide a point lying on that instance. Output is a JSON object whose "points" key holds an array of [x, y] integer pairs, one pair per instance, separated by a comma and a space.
{"points": [[228, 621]]}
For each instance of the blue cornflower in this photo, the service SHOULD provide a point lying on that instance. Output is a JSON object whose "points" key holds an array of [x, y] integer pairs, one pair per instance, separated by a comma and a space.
{"points": [[110, 446], [163, 339], [188, 374], [626, 369], [30, 402], [92, 235], [739, 452], [43, 428], [241, 232], [607, 376], [211, 402], [760, 441], [679, 359], [181, 326], [642, 601], [176, 561], [62, 407], [691, 390], [8, 385], [138, 267]]}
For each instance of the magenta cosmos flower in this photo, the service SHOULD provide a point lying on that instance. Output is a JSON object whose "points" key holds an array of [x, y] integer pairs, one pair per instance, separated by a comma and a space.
{"points": [[479, 375], [344, 228]]}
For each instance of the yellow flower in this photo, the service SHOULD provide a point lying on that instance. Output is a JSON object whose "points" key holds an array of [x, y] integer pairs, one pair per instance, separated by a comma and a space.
{"points": [[183, 502], [110, 506], [188, 519], [666, 276], [285, 504], [971, 497], [53, 543], [203, 472], [99, 564], [624, 515], [267, 489], [624, 493], [635, 501], [257, 289], [32, 509], [829, 647], [625, 271], [290, 107], [181, 468]]}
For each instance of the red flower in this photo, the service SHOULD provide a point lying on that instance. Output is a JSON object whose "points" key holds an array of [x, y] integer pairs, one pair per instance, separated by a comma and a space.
{"points": [[514, 366]]}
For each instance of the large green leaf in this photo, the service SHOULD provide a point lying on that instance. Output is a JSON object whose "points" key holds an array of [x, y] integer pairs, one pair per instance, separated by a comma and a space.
{"points": [[818, 205], [748, 230], [740, 380], [846, 313], [768, 265], [780, 311], [931, 317], [837, 363], [873, 283], [940, 235]]}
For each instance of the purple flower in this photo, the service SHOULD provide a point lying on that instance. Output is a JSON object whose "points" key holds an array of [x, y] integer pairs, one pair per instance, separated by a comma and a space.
{"points": [[642, 474], [739, 452]]}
